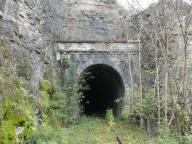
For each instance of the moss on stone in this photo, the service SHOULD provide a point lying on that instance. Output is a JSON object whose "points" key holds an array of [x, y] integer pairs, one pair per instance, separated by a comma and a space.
{"points": [[46, 90], [18, 111], [43, 100], [16, 115], [45, 85], [8, 132]]}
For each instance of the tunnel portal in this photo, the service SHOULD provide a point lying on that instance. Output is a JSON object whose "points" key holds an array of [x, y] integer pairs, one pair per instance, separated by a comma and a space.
{"points": [[102, 89]]}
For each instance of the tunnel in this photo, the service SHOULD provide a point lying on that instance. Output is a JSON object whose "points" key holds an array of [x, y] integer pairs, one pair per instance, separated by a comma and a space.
{"points": [[102, 88]]}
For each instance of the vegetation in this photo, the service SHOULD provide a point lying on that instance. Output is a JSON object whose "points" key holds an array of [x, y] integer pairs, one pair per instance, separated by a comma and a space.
{"points": [[16, 105], [91, 130], [164, 80], [158, 102]]}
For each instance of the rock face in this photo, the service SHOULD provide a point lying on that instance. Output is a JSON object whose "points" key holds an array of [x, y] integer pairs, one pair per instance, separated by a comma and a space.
{"points": [[30, 28], [82, 20], [22, 27]]}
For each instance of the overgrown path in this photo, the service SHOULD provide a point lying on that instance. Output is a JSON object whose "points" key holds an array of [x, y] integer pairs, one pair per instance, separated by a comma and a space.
{"points": [[97, 131], [91, 130]]}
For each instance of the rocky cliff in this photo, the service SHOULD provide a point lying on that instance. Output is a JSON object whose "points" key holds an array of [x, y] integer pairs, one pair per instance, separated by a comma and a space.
{"points": [[81, 20], [31, 28], [22, 27]]}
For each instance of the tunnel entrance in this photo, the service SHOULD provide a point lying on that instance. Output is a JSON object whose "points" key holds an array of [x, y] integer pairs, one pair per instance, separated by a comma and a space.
{"points": [[102, 89]]}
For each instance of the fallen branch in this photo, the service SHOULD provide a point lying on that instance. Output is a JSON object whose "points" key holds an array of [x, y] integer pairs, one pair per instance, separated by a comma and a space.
{"points": [[117, 137]]}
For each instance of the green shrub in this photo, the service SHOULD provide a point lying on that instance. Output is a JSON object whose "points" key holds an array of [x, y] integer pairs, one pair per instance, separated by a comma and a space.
{"points": [[147, 109], [72, 94], [167, 136], [189, 138], [110, 118], [48, 135], [17, 112], [58, 107], [45, 85], [46, 90]]}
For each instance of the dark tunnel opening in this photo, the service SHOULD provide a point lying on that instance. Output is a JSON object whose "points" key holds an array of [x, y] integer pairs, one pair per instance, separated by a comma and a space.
{"points": [[103, 89]]}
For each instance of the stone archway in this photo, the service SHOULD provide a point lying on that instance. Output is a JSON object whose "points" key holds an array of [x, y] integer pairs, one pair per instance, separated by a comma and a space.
{"points": [[105, 90]]}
